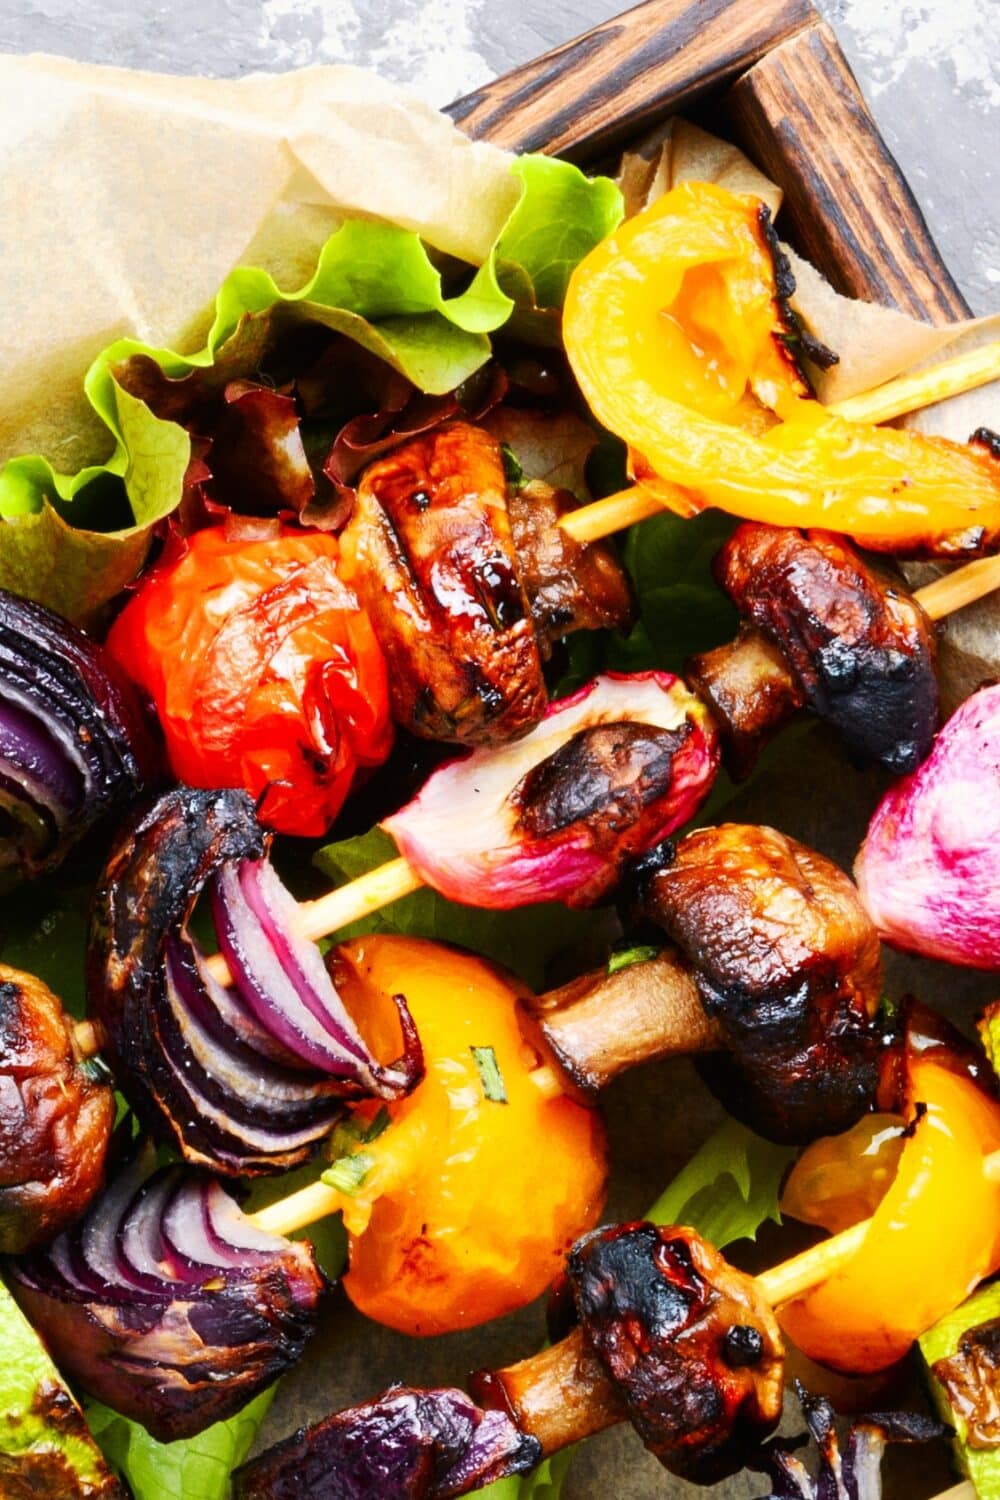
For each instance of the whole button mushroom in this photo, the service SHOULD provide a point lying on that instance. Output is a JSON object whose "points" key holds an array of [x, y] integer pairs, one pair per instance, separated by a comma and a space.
{"points": [[825, 631], [56, 1114]]}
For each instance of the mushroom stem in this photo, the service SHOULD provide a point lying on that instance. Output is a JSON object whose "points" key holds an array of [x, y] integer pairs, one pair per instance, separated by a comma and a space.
{"points": [[964, 372], [563, 1394], [602, 1024], [558, 1396]]}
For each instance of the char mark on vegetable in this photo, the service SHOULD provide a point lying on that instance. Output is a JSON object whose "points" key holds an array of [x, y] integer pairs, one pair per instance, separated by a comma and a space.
{"points": [[787, 963], [860, 650], [796, 340], [429, 550], [658, 1307], [245, 1078], [419, 1444], [607, 775]]}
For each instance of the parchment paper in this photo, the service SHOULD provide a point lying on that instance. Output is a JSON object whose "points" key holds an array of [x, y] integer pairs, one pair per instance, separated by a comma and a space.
{"points": [[124, 200]]}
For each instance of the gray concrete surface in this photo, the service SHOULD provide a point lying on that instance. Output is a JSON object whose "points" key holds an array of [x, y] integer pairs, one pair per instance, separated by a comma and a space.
{"points": [[931, 70]]}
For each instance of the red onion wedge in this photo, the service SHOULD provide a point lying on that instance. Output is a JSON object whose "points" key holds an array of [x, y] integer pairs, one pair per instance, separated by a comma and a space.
{"points": [[606, 775], [175, 1338], [248, 1078], [71, 742], [929, 868], [422, 1444]]}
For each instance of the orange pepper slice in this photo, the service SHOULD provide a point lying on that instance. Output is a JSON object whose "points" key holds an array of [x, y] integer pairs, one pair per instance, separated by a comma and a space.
{"points": [[471, 1204], [677, 336], [932, 1239]]}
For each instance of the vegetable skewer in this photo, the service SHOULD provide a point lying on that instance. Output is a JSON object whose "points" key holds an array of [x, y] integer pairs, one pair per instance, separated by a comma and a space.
{"points": [[906, 393], [667, 1335], [402, 876]]}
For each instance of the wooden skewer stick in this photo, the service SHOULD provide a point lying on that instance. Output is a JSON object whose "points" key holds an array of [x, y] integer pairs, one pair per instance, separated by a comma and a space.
{"points": [[965, 372], [391, 881], [564, 1393], [783, 1283], [349, 903]]}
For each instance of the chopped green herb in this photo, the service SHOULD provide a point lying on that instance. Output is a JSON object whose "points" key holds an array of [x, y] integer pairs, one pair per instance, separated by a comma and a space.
{"points": [[513, 473], [96, 1069], [490, 1074], [348, 1173], [354, 1132], [624, 958]]}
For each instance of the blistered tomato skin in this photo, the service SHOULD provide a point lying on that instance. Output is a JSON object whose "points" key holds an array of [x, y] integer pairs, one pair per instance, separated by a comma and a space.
{"points": [[933, 1237], [476, 1201], [264, 671]]}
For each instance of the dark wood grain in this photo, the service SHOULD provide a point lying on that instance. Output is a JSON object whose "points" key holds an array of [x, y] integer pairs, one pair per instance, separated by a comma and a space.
{"points": [[800, 115], [616, 80]]}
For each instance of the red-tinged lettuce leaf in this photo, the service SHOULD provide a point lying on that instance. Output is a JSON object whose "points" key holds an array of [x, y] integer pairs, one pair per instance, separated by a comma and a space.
{"points": [[256, 453], [374, 283]]}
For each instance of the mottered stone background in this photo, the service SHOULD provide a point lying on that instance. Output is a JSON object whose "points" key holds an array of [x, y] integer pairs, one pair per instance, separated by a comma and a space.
{"points": [[931, 68], [932, 73]]}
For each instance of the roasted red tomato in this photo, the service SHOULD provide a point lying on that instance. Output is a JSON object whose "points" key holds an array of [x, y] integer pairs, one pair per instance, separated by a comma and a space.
{"points": [[264, 671]]}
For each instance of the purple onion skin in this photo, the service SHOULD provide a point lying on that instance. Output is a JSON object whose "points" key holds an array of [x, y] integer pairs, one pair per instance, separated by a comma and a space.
{"points": [[225, 1089], [78, 697], [847, 1470], [180, 1352], [403, 1445]]}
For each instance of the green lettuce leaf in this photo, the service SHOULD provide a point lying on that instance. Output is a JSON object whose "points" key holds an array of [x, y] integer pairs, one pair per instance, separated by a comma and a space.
{"points": [[727, 1191], [197, 1468], [44, 1442], [682, 610], [729, 1188], [73, 540], [523, 940]]}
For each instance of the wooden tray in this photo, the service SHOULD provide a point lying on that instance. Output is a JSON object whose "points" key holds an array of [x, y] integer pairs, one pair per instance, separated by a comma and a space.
{"points": [[781, 88], [769, 75]]}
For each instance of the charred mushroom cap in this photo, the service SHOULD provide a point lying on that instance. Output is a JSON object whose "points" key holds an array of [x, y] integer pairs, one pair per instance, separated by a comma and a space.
{"points": [[570, 585], [430, 553], [787, 962], [248, 1078], [421, 1444], [167, 1303], [861, 651], [691, 1346], [55, 1117]]}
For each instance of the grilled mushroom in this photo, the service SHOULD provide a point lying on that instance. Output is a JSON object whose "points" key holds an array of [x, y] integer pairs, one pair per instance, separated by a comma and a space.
{"points": [[823, 630], [56, 1114]]}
